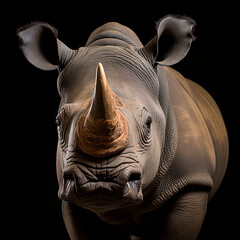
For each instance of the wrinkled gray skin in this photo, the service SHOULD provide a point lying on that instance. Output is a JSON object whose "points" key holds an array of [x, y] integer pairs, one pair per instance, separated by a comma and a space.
{"points": [[158, 187]]}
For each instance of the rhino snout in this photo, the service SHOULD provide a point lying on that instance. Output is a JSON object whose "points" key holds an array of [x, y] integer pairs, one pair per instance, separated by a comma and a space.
{"points": [[103, 190]]}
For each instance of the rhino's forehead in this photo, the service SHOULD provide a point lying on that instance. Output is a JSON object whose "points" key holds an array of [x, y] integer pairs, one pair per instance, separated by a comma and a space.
{"points": [[125, 69], [115, 34]]}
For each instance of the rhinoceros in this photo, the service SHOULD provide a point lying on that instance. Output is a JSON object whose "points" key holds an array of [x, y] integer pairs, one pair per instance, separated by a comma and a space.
{"points": [[141, 149]]}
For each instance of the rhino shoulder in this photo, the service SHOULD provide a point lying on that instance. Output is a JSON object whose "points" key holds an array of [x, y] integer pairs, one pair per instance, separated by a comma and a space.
{"points": [[194, 163]]}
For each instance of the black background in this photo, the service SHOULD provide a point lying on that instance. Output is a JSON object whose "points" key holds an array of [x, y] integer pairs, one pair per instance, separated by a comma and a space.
{"points": [[30, 101]]}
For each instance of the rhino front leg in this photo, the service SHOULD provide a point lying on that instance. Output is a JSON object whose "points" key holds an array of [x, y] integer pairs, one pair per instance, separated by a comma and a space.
{"points": [[82, 224], [74, 222], [184, 218]]}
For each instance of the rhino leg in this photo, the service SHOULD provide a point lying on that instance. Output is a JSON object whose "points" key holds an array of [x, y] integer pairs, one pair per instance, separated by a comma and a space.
{"points": [[183, 219], [82, 224]]}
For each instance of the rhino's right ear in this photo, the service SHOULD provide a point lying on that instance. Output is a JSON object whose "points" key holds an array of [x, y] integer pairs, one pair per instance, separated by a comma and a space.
{"points": [[173, 40], [41, 47]]}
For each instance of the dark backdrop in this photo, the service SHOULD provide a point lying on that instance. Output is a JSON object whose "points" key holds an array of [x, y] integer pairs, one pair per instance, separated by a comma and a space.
{"points": [[31, 99]]}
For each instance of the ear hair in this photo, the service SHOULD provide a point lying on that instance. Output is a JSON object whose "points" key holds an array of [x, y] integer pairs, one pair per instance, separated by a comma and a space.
{"points": [[31, 24]]}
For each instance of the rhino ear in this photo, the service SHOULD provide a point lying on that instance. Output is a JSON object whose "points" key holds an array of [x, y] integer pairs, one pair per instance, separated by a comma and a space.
{"points": [[41, 47], [173, 40]]}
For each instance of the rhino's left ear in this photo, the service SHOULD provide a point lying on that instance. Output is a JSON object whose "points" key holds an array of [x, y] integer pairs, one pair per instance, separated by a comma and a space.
{"points": [[173, 40], [41, 47]]}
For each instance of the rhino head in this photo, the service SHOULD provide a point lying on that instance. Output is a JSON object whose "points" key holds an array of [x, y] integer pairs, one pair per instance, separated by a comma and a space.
{"points": [[114, 123]]}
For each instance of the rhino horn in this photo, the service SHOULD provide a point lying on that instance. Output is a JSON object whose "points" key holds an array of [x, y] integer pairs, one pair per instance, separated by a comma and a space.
{"points": [[103, 106], [102, 130]]}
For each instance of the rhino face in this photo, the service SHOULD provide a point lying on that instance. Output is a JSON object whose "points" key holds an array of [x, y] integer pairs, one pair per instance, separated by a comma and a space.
{"points": [[111, 124], [109, 138]]}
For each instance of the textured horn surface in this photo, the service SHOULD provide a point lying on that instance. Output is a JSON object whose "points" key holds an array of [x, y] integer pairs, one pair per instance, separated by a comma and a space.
{"points": [[102, 130], [103, 106]]}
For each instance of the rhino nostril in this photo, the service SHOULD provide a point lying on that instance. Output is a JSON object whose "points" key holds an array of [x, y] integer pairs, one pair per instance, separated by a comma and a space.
{"points": [[134, 177], [69, 178], [133, 183]]}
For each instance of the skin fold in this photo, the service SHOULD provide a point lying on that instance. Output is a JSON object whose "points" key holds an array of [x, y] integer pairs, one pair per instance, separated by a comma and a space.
{"points": [[141, 149]]}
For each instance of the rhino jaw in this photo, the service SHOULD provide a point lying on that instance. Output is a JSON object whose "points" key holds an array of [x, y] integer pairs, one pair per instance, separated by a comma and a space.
{"points": [[102, 193], [102, 130]]}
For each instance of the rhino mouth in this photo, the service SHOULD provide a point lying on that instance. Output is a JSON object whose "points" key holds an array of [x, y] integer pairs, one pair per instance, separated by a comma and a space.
{"points": [[103, 192]]}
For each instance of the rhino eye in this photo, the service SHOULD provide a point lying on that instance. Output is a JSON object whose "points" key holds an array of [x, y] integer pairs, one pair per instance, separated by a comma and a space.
{"points": [[59, 125], [149, 123], [144, 128], [61, 134]]}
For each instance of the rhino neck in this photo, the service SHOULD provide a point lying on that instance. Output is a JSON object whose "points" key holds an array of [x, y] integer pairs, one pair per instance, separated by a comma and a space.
{"points": [[113, 33]]}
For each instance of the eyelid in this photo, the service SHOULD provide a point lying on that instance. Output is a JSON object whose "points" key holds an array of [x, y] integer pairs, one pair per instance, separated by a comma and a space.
{"points": [[58, 117], [61, 128], [143, 112], [57, 121]]}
